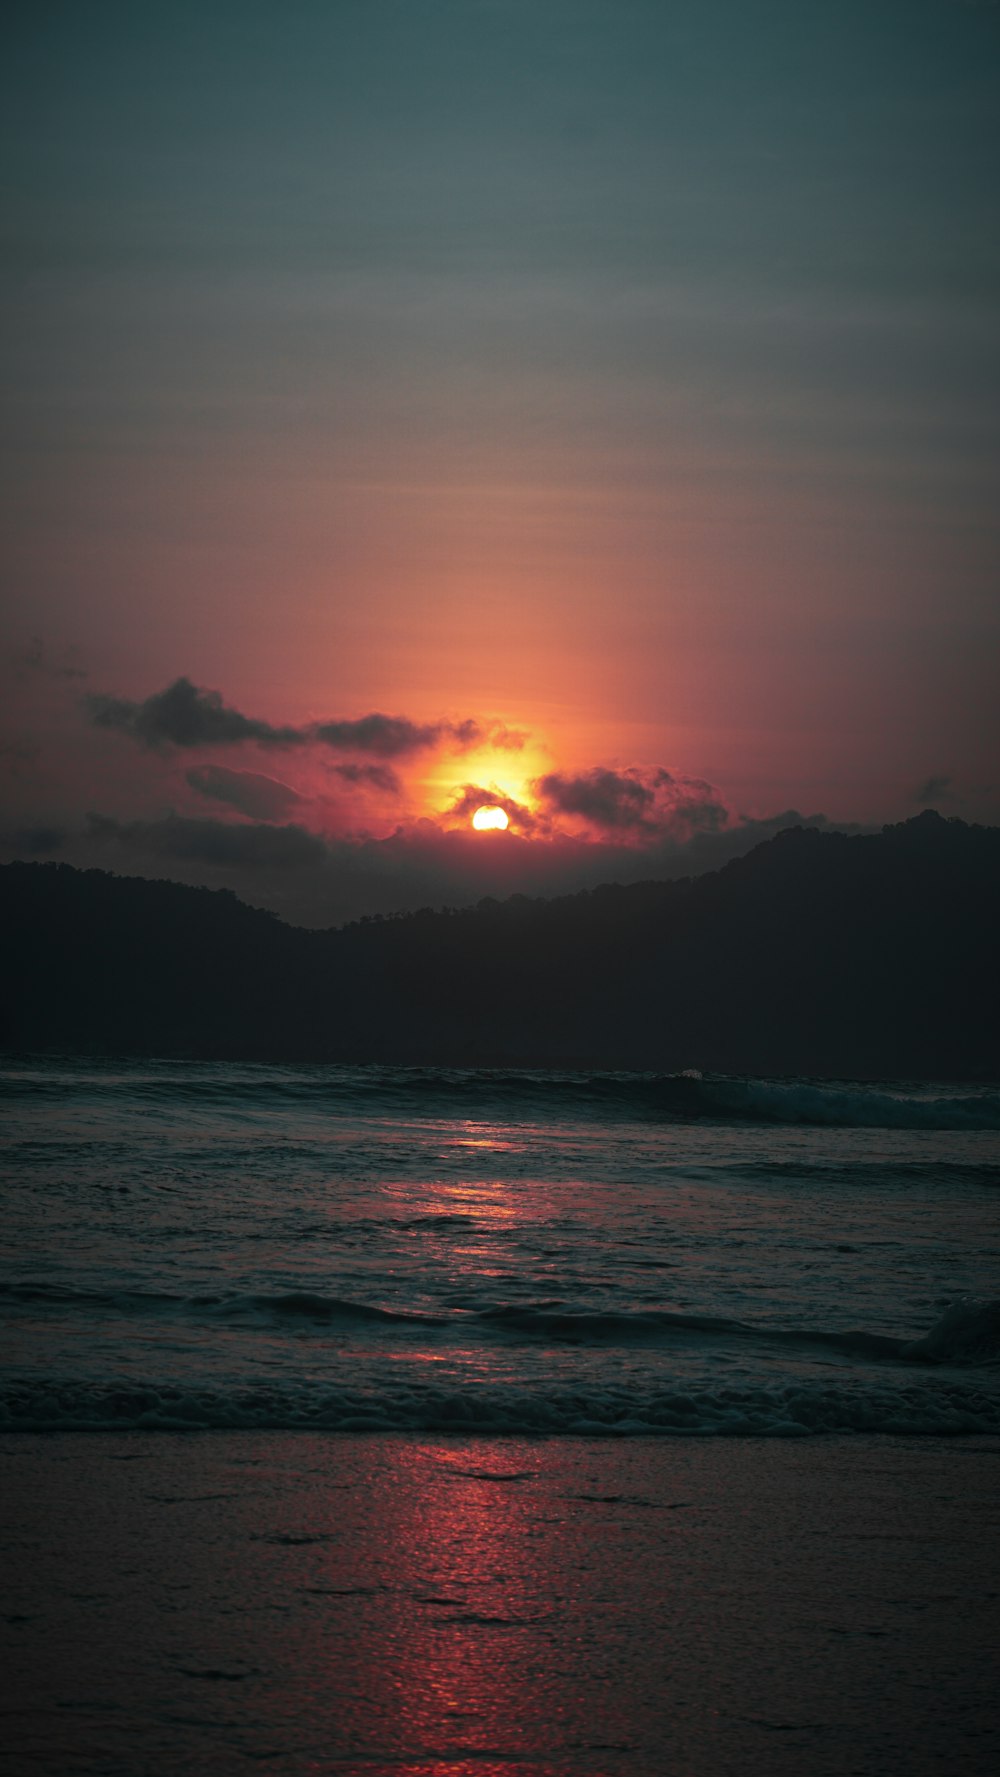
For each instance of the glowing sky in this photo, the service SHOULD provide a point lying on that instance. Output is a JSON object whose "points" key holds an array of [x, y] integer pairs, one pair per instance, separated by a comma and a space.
{"points": [[604, 391]]}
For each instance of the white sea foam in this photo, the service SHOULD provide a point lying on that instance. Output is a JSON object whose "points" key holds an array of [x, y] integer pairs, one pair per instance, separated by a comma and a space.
{"points": [[781, 1410], [967, 1331]]}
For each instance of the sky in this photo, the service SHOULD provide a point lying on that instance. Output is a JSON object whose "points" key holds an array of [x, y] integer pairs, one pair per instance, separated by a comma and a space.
{"points": [[583, 407]]}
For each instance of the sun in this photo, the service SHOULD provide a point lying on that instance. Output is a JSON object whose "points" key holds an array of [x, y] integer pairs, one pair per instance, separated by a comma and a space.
{"points": [[488, 817]]}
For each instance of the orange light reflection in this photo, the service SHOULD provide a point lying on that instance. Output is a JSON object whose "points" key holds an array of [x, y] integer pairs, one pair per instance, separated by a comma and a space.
{"points": [[470, 1573]]}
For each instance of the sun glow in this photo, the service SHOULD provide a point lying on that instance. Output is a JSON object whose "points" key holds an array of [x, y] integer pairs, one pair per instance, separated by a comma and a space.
{"points": [[455, 790], [488, 819]]}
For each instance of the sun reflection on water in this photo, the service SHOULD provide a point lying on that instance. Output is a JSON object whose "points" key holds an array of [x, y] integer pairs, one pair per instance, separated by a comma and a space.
{"points": [[461, 1523]]}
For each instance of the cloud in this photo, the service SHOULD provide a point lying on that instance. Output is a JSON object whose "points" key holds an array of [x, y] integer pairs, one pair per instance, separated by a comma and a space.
{"points": [[605, 798], [631, 805], [15, 753], [642, 804], [234, 844], [263, 798], [184, 715], [35, 659], [393, 737], [315, 881], [40, 840], [473, 796], [934, 789], [507, 740], [389, 737], [380, 777], [188, 715]]}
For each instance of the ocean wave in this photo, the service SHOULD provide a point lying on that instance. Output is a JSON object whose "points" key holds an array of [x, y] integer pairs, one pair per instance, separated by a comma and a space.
{"points": [[967, 1333], [309, 1305], [967, 1330], [823, 1104], [519, 1093], [777, 1410], [919, 1170], [121, 1301], [292, 1305]]}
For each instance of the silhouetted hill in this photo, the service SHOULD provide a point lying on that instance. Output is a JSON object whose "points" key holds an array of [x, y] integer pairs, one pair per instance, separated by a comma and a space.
{"points": [[816, 953]]}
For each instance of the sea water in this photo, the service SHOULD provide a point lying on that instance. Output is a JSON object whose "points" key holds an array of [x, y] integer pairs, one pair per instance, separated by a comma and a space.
{"points": [[191, 1245]]}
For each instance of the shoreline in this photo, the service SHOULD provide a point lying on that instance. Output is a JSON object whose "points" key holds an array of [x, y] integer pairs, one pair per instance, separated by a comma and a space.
{"points": [[179, 1602]]}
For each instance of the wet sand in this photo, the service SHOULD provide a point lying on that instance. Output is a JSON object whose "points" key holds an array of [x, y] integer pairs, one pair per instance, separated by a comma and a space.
{"points": [[232, 1602]]}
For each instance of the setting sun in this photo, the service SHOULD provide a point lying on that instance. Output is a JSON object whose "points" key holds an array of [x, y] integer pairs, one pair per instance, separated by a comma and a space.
{"points": [[487, 818]]}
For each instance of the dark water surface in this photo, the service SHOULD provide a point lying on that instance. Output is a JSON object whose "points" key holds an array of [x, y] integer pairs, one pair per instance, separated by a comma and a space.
{"points": [[215, 1246]]}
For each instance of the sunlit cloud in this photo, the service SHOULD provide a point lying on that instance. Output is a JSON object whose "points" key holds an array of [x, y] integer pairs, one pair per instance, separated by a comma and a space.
{"points": [[474, 796]]}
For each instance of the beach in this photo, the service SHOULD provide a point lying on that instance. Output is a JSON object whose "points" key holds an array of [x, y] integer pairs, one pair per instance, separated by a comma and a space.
{"points": [[302, 1603]]}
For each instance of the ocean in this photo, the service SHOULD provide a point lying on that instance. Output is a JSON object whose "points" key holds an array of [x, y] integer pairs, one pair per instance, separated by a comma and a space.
{"points": [[193, 1246]]}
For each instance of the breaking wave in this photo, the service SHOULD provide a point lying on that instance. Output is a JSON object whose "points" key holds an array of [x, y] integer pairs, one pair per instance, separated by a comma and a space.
{"points": [[683, 1097], [780, 1410], [846, 1106], [967, 1333], [293, 1305]]}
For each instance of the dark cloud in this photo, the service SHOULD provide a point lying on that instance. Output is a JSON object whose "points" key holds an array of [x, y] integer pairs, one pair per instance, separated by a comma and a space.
{"points": [[266, 798], [15, 753], [41, 840], [607, 798], [324, 882], [631, 804], [263, 798], [237, 845], [187, 715], [476, 734], [464, 734], [380, 777], [184, 715], [644, 804], [385, 737], [35, 659], [934, 789], [393, 737]]}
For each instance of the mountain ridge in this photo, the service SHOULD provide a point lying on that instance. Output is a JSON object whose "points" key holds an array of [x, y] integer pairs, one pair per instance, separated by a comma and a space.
{"points": [[861, 955]]}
